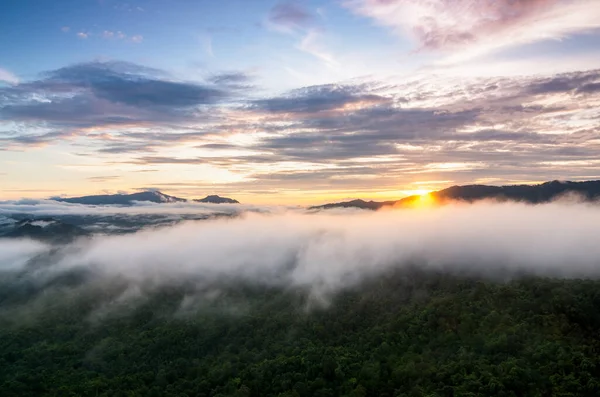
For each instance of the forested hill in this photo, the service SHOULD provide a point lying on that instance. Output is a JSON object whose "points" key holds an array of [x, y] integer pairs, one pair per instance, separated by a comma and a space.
{"points": [[405, 334], [533, 194]]}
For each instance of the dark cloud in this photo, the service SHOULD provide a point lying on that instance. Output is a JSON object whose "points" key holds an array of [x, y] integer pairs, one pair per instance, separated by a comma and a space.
{"points": [[318, 99], [150, 93], [101, 94], [126, 147], [564, 83], [290, 14], [166, 136], [34, 140], [589, 88], [106, 178], [217, 146], [235, 79], [134, 85], [73, 112], [168, 160]]}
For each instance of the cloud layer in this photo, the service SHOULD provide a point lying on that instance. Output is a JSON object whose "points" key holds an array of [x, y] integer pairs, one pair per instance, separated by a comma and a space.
{"points": [[332, 250], [480, 26], [363, 134]]}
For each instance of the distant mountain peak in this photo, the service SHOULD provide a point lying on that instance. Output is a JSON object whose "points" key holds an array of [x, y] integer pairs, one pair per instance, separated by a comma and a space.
{"points": [[356, 203], [215, 199], [153, 196]]}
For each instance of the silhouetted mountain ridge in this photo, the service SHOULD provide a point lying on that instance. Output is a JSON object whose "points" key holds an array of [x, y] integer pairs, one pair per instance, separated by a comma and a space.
{"points": [[532, 194], [152, 196], [214, 199], [122, 199]]}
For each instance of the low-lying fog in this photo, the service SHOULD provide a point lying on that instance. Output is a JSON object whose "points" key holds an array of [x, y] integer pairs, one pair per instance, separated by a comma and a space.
{"points": [[332, 249]]}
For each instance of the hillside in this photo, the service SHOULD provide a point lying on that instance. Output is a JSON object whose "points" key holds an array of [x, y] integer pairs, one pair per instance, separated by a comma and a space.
{"points": [[44, 229], [215, 199], [533, 194], [405, 334]]}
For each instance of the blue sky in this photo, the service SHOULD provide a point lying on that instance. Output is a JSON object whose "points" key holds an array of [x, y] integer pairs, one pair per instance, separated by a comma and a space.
{"points": [[295, 101], [187, 37]]}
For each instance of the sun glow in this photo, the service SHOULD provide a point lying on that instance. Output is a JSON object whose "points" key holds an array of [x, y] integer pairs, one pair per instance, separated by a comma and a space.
{"points": [[419, 199], [425, 200], [421, 192]]}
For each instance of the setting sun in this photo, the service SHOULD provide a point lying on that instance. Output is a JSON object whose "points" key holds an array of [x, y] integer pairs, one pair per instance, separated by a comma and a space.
{"points": [[425, 200]]}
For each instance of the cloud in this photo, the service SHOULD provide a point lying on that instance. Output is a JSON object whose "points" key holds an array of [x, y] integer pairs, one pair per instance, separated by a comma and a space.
{"points": [[328, 251], [65, 29], [493, 127], [481, 26], [568, 82], [36, 140], [83, 35], [8, 77], [590, 88], [118, 35], [106, 178], [236, 79], [403, 129], [291, 18], [104, 94], [290, 15], [108, 81], [15, 254], [127, 147], [206, 41], [311, 44], [317, 99], [37, 207]]}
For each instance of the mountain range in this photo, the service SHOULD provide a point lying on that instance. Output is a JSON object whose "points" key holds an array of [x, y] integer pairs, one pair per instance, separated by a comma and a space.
{"points": [[532, 194], [147, 196]]}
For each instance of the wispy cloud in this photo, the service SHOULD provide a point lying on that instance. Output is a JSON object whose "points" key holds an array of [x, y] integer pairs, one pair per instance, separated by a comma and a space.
{"points": [[118, 35], [311, 44], [108, 35], [475, 27], [106, 178], [65, 29], [289, 15], [8, 77], [207, 44]]}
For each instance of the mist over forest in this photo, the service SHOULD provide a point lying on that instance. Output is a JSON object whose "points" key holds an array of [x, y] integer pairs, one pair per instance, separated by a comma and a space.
{"points": [[334, 249], [459, 299], [300, 198]]}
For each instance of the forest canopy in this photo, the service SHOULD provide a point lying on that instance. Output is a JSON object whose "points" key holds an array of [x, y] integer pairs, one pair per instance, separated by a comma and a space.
{"points": [[408, 333]]}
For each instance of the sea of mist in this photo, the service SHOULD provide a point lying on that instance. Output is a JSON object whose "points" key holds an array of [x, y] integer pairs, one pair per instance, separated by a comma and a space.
{"points": [[331, 250]]}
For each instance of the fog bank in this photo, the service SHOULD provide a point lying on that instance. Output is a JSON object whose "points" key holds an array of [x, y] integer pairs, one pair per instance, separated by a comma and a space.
{"points": [[330, 250]]}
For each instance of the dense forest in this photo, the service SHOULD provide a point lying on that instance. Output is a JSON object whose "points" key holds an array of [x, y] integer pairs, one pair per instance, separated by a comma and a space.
{"points": [[406, 334]]}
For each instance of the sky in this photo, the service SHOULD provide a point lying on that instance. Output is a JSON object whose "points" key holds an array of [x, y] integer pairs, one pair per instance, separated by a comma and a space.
{"points": [[296, 102]]}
